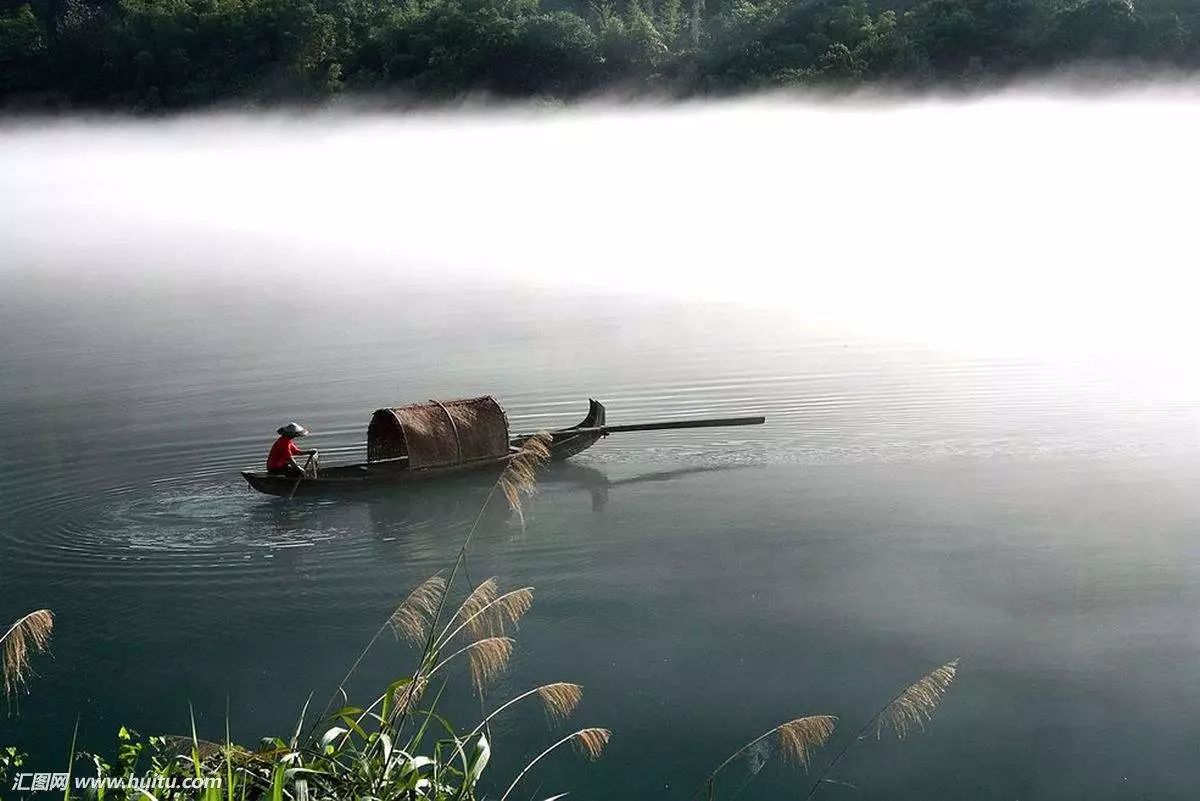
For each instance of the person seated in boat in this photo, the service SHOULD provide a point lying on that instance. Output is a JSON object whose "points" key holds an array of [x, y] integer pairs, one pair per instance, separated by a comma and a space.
{"points": [[281, 461]]}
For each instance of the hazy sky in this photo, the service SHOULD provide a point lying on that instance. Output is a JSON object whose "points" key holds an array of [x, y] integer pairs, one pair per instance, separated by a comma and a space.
{"points": [[1018, 222]]}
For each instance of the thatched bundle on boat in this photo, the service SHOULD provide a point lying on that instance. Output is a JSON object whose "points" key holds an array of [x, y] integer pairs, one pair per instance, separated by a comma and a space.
{"points": [[439, 432]]}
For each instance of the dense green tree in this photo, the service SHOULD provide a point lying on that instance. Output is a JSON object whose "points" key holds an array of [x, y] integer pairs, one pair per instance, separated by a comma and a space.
{"points": [[23, 51], [1097, 29], [631, 44], [948, 33], [887, 52], [555, 54]]}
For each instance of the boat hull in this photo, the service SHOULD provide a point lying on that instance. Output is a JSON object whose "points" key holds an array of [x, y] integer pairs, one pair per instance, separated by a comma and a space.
{"points": [[567, 442], [366, 476], [564, 444]]}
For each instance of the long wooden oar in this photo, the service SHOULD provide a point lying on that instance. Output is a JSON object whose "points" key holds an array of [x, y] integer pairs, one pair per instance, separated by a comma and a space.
{"points": [[664, 425], [297, 486]]}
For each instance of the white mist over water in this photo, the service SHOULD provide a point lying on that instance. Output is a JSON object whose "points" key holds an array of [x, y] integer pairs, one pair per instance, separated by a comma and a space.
{"points": [[171, 291], [1021, 223]]}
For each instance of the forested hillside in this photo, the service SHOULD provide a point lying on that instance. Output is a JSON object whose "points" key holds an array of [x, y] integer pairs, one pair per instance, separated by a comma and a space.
{"points": [[150, 55]]}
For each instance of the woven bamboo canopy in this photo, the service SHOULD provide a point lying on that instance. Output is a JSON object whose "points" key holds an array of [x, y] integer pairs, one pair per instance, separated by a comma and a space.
{"points": [[439, 433]]}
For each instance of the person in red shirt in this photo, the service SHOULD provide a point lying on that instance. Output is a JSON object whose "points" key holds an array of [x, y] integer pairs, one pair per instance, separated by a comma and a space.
{"points": [[282, 458]]}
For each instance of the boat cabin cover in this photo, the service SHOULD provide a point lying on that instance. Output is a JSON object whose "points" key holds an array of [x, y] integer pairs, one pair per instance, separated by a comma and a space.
{"points": [[439, 433]]}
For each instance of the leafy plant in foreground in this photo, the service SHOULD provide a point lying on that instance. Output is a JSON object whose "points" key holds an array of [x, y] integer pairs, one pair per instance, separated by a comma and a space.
{"points": [[396, 747]]}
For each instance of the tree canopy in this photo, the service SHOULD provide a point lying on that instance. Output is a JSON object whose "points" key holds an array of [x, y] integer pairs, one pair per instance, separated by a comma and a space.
{"points": [[154, 55]]}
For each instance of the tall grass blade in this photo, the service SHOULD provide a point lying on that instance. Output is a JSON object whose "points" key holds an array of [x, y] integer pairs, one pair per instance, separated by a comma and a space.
{"points": [[195, 741], [278, 777], [481, 754], [229, 789], [71, 761], [295, 742]]}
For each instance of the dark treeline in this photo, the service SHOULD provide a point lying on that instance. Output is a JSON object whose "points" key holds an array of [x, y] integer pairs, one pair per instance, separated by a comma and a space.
{"points": [[152, 55]]}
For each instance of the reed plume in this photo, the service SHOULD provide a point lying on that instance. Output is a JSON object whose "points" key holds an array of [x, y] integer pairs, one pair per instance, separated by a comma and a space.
{"points": [[471, 612], [590, 742], [797, 738], [490, 654], [406, 698], [30, 632], [520, 476], [912, 707], [560, 699], [915, 706], [484, 611], [489, 619], [488, 658], [510, 607], [411, 618]]}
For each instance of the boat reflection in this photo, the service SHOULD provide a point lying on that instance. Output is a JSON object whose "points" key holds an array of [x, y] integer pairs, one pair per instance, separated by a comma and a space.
{"points": [[417, 522], [599, 485], [459, 501]]}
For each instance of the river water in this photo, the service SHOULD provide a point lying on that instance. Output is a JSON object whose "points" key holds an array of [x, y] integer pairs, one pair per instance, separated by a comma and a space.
{"points": [[1015, 487]]}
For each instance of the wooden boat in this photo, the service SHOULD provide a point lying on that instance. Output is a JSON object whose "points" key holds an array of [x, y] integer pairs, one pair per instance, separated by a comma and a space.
{"points": [[421, 442]]}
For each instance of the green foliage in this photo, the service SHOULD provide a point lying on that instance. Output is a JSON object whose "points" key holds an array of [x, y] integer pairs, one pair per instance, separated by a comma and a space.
{"points": [[148, 55], [397, 748], [11, 761], [630, 44], [510, 48], [337, 764], [23, 56], [1098, 29]]}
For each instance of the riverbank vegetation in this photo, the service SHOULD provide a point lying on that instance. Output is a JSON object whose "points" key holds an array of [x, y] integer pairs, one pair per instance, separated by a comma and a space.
{"points": [[399, 746], [153, 55]]}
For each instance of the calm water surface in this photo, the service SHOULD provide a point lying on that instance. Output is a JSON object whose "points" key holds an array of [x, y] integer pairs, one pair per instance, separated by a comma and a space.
{"points": [[901, 507], [171, 293]]}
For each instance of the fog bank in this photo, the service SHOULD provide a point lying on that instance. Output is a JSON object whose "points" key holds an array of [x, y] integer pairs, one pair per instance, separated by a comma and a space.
{"points": [[1016, 222]]}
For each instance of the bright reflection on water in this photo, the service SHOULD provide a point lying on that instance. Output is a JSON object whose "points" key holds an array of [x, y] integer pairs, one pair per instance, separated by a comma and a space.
{"points": [[971, 329]]}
